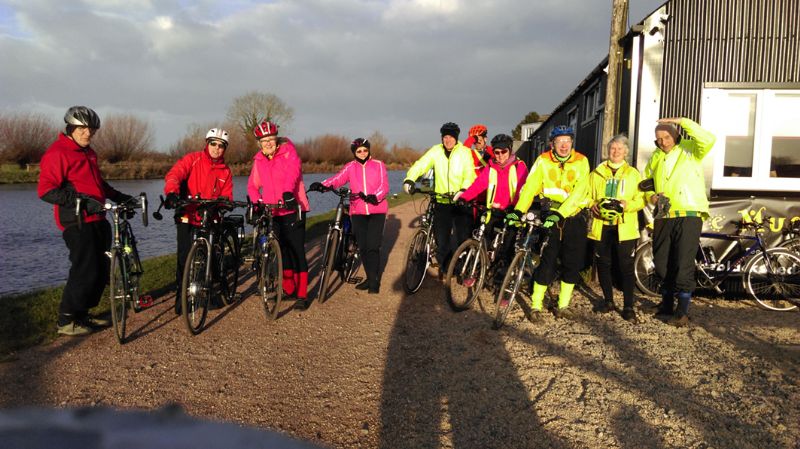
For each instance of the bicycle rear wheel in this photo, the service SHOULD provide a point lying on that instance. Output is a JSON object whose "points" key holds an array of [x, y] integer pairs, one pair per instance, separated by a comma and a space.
{"points": [[270, 279], [773, 279], [326, 277], [229, 268], [465, 275], [349, 258], [417, 260], [509, 289], [195, 292], [118, 294], [644, 270], [792, 245]]}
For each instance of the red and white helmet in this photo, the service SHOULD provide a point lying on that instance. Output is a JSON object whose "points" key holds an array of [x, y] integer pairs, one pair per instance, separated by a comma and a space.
{"points": [[265, 129], [217, 133]]}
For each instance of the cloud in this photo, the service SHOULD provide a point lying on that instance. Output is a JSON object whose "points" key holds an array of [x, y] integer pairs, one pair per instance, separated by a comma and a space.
{"points": [[347, 67]]}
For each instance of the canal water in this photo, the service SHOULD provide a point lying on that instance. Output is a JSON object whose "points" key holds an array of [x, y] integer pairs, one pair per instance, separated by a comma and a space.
{"points": [[33, 254]]}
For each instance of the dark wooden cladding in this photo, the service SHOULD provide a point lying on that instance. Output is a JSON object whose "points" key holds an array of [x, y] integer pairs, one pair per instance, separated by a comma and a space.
{"points": [[727, 41]]}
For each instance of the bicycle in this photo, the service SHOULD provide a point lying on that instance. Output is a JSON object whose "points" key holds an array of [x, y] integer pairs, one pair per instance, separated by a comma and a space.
{"points": [[341, 250], [267, 258], [422, 248], [126, 267], [525, 262], [473, 261], [212, 264], [770, 275], [791, 237]]}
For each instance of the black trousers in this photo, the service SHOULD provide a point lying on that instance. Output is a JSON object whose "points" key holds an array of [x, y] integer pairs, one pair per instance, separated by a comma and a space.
{"points": [[184, 237], [88, 272], [292, 238], [368, 230], [450, 219], [675, 243], [568, 242], [605, 251]]}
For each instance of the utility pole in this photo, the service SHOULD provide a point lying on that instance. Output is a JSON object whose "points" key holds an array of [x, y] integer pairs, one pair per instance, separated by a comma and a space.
{"points": [[619, 19]]}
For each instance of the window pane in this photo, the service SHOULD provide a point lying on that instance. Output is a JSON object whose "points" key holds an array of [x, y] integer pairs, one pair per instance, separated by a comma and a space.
{"points": [[740, 129], [785, 161]]}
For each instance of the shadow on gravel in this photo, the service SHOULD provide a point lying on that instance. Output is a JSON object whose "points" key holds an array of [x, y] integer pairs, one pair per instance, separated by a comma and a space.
{"points": [[656, 380], [437, 392]]}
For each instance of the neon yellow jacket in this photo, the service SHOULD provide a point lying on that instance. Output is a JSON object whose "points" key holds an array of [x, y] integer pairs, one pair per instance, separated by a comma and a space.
{"points": [[622, 185], [681, 179], [555, 180], [451, 174]]}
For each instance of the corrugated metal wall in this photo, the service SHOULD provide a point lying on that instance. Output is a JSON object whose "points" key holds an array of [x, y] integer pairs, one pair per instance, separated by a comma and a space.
{"points": [[735, 41]]}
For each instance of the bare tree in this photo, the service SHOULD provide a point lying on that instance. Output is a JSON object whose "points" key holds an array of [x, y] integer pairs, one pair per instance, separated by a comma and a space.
{"points": [[248, 110], [24, 137], [123, 138], [240, 147]]}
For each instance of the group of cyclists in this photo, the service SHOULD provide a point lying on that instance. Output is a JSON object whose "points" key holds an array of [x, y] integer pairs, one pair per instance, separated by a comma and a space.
{"points": [[576, 204]]}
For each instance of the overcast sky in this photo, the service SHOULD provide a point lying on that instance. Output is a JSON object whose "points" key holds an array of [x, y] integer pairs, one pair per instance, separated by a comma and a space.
{"points": [[348, 67]]}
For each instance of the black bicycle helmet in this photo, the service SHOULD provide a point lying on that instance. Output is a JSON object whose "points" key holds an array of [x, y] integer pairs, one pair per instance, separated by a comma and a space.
{"points": [[502, 141], [450, 129], [360, 142], [82, 116]]}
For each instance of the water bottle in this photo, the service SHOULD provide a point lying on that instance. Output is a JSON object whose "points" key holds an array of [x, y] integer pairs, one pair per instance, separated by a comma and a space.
{"points": [[262, 241], [346, 225]]}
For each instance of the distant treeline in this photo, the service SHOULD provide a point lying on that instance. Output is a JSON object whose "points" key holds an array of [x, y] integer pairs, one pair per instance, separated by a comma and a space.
{"points": [[124, 145]]}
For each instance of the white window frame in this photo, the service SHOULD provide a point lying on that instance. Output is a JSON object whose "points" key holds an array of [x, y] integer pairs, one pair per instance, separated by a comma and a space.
{"points": [[572, 117], [713, 119], [590, 108]]}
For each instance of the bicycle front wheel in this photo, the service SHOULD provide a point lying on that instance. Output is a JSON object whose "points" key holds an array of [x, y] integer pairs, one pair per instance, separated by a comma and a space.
{"points": [[644, 270], [118, 294], [270, 279], [195, 292], [773, 279], [417, 260], [509, 289], [326, 276], [229, 268], [349, 258], [465, 275]]}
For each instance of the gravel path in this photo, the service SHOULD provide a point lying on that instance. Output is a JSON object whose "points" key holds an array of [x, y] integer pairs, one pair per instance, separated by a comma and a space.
{"points": [[392, 371]]}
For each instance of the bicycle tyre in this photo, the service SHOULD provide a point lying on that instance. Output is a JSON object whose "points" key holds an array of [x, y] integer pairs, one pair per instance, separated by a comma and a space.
{"points": [[467, 264], [350, 258], [229, 268], [195, 291], [792, 245], [774, 289], [509, 289], [326, 276], [644, 270], [118, 290], [417, 261], [270, 279]]}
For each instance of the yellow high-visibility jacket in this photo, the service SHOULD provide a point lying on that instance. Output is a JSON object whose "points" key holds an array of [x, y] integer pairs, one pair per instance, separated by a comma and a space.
{"points": [[451, 174], [555, 180]]}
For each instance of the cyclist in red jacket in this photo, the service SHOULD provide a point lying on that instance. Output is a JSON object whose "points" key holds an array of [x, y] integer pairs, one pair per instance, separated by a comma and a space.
{"points": [[203, 174], [69, 172]]}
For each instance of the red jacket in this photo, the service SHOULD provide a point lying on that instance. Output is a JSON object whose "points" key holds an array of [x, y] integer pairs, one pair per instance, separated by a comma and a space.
{"points": [[197, 174], [477, 160], [67, 170]]}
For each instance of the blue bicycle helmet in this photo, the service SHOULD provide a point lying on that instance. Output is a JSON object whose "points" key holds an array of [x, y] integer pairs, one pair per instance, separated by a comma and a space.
{"points": [[562, 130]]}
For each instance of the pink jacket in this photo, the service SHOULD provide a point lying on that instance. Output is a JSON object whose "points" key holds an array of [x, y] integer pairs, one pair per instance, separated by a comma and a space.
{"points": [[370, 178], [502, 196], [271, 177]]}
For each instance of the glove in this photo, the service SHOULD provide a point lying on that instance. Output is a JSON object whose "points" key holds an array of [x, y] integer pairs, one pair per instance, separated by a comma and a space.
{"points": [[371, 199], [552, 219], [513, 217], [171, 202], [289, 201], [408, 187], [92, 206], [122, 198], [647, 185], [316, 187], [457, 196]]}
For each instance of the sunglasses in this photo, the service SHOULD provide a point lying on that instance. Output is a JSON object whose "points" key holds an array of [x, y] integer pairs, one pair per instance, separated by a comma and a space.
{"points": [[501, 150], [362, 150], [214, 143]]}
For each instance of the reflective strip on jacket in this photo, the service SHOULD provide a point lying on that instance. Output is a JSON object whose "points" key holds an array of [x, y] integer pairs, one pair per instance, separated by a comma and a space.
{"points": [[555, 180], [684, 183], [451, 174], [370, 178]]}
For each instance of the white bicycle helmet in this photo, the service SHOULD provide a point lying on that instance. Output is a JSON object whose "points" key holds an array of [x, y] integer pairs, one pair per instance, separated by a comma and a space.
{"points": [[217, 133]]}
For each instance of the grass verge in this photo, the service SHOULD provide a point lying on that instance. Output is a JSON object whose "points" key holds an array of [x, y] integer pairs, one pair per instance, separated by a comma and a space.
{"points": [[29, 319]]}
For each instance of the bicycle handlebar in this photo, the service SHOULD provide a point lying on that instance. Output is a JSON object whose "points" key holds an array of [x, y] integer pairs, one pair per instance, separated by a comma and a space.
{"points": [[130, 206]]}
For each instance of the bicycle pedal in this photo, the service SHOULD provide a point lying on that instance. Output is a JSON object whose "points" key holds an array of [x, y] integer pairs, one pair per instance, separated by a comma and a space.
{"points": [[355, 280], [144, 302]]}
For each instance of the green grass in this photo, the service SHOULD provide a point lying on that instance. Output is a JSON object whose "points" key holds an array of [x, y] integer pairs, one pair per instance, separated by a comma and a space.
{"points": [[29, 319], [13, 174]]}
